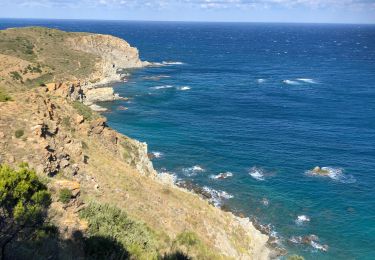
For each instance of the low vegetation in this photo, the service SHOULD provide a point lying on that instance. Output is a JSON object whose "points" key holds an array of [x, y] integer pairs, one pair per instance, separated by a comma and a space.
{"points": [[84, 111], [24, 201], [4, 96], [65, 195], [19, 133], [48, 53], [110, 222]]}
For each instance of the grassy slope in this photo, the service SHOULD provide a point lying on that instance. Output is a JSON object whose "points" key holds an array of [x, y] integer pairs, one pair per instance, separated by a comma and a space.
{"points": [[45, 49]]}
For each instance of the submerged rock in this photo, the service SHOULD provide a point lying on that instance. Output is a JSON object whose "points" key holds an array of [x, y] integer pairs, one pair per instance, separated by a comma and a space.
{"points": [[320, 171]]}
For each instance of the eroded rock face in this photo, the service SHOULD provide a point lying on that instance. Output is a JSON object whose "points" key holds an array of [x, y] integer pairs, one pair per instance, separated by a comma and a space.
{"points": [[116, 55], [135, 153], [100, 94]]}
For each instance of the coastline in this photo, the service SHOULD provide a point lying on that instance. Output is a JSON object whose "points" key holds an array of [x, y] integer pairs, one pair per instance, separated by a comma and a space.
{"points": [[260, 232], [69, 142]]}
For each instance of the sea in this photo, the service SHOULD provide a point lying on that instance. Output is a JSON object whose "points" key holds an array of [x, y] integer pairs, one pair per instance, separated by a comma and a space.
{"points": [[247, 110]]}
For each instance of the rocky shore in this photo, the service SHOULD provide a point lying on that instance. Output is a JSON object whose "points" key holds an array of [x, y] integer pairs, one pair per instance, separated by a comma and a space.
{"points": [[52, 128]]}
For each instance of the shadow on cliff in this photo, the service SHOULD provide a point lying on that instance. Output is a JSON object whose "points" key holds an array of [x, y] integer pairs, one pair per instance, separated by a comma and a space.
{"points": [[48, 245]]}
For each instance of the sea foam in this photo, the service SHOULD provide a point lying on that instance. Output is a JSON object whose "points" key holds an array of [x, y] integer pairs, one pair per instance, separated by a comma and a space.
{"points": [[311, 81], [257, 173], [192, 171], [217, 196], [301, 219], [223, 175], [184, 88], [290, 82], [162, 87], [157, 154], [172, 63]]}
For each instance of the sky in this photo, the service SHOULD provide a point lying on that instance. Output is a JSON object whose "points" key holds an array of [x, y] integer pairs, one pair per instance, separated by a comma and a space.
{"points": [[310, 11]]}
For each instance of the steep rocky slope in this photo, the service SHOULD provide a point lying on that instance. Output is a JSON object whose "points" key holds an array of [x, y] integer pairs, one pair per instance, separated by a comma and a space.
{"points": [[72, 147]]}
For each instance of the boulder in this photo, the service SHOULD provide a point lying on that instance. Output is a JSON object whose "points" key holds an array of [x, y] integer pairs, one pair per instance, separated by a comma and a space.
{"points": [[79, 119], [97, 126], [51, 87]]}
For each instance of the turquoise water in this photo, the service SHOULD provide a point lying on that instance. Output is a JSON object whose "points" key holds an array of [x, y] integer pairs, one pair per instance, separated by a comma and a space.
{"points": [[267, 103]]}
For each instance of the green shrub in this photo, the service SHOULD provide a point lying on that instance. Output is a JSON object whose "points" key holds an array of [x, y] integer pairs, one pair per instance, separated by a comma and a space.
{"points": [[4, 96], [85, 145], [16, 76], [24, 202], [19, 133], [66, 122], [188, 239], [65, 195], [110, 222], [190, 245], [84, 110]]}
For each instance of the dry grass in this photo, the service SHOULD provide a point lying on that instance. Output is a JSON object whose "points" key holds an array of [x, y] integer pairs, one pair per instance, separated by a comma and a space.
{"points": [[43, 48]]}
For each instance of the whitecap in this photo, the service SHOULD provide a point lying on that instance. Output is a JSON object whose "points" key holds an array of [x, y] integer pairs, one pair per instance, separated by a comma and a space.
{"points": [[257, 173], [192, 171], [183, 88], [290, 82], [222, 175], [157, 154], [260, 81], [311, 81], [302, 219], [217, 196], [172, 63], [156, 77], [319, 246], [162, 87], [265, 202]]}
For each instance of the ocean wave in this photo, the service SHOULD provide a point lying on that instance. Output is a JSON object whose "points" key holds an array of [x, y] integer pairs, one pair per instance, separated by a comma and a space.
{"points": [[172, 63], [183, 88], [310, 240], [217, 197], [192, 171], [157, 155], [311, 81], [257, 173], [168, 177], [166, 63], [156, 77], [221, 176], [318, 246], [290, 82], [336, 174], [162, 87], [260, 81], [302, 219]]}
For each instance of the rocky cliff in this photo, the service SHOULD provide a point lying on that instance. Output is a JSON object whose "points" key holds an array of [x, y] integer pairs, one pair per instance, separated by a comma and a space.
{"points": [[72, 146], [115, 55]]}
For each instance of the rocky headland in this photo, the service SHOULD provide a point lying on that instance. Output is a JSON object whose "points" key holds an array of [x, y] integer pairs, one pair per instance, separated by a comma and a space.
{"points": [[51, 78]]}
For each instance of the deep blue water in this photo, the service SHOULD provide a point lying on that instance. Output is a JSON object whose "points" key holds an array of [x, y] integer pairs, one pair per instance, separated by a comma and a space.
{"points": [[247, 107]]}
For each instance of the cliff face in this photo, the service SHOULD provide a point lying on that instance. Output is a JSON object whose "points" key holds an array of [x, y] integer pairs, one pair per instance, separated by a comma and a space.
{"points": [[115, 54]]}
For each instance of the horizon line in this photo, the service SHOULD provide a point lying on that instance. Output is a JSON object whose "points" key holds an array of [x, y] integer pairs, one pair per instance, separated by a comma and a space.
{"points": [[181, 21]]}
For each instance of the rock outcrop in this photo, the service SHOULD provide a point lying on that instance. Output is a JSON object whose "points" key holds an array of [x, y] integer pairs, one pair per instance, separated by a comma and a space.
{"points": [[115, 55]]}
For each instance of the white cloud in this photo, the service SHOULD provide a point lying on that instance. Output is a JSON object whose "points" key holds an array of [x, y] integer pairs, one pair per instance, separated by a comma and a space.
{"points": [[205, 4]]}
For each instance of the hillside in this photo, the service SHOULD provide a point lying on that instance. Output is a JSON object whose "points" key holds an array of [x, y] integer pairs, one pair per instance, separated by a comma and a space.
{"points": [[115, 195]]}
